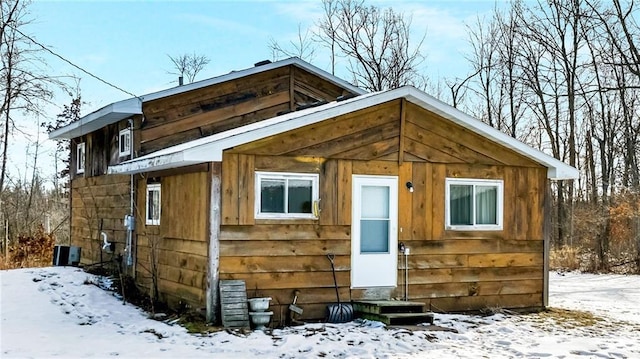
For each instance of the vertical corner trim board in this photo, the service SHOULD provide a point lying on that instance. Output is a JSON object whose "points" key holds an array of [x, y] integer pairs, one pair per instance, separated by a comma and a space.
{"points": [[234, 308]]}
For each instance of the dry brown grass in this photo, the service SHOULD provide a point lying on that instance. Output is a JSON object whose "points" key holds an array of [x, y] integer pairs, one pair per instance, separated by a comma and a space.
{"points": [[565, 259], [30, 251]]}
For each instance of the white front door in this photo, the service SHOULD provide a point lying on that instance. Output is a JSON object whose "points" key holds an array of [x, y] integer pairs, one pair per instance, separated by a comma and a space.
{"points": [[374, 233]]}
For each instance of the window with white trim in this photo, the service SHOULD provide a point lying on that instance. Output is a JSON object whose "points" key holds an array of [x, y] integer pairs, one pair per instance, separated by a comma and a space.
{"points": [[153, 204], [124, 142], [286, 195], [474, 204], [80, 158]]}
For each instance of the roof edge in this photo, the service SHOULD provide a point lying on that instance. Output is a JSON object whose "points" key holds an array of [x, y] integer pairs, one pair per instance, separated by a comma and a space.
{"points": [[109, 112], [215, 144]]}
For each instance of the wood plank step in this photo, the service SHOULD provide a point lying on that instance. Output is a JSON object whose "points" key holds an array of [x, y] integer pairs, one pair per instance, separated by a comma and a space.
{"points": [[388, 306], [399, 318]]}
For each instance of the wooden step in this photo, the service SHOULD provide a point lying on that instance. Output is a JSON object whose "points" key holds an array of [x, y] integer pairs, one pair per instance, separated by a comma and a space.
{"points": [[399, 318], [388, 306], [393, 312]]}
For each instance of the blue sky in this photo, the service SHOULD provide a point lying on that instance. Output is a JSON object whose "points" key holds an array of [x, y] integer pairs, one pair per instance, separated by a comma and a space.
{"points": [[127, 42]]}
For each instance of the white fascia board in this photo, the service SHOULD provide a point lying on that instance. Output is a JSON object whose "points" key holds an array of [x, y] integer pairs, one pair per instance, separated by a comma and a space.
{"points": [[105, 116], [147, 164]]}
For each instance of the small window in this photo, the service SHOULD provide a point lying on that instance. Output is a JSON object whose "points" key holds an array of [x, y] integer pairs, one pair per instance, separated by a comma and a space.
{"points": [[153, 204], [80, 158], [473, 204], [286, 195], [125, 142]]}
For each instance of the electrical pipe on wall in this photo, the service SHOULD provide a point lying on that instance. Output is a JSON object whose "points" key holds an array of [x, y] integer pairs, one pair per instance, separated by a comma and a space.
{"points": [[129, 220]]}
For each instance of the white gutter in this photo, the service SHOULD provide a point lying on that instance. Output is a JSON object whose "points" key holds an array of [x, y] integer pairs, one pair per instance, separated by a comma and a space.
{"points": [[94, 121]]}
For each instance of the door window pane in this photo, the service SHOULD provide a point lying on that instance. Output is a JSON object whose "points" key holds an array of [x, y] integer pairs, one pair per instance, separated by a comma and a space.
{"points": [[375, 202], [374, 236]]}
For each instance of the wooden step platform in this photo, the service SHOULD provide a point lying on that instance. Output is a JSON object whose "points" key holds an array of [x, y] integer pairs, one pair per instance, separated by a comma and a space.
{"points": [[393, 312]]}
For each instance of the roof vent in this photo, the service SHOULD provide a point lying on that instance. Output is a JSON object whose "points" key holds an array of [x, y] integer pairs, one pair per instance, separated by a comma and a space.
{"points": [[263, 62]]}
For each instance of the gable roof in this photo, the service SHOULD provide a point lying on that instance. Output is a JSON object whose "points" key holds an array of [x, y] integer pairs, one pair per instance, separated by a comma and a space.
{"points": [[209, 149], [120, 110]]}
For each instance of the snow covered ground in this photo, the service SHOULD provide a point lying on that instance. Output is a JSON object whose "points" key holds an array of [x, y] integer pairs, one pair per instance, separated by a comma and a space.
{"points": [[54, 312]]}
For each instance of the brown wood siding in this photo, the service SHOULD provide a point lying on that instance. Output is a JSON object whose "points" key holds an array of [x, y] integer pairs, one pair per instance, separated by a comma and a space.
{"points": [[101, 150], [179, 243], [374, 134], [203, 112], [98, 203], [449, 270]]}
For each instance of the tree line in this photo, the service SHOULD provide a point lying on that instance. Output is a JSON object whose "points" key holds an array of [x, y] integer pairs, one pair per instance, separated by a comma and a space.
{"points": [[560, 75]]}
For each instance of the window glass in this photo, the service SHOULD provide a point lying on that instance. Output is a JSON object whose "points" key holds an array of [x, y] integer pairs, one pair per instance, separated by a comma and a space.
{"points": [[299, 196], [125, 142], [374, 236], [272, 196], [285, 195], [486, 204], [474, 204], [375, 202], [460, 202], [80, 158], [153, 204]]}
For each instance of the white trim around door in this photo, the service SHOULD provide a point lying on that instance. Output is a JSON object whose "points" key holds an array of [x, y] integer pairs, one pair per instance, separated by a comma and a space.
{"points": [[374, 231]]}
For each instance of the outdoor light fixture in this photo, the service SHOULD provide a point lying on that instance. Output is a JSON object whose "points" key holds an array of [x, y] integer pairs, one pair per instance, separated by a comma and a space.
{"points": [[410, 186]]}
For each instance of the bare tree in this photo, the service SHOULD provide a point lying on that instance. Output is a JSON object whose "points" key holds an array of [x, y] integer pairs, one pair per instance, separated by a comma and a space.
{"points": [[188, 65], [375, 42], [302, 48], [23, 83]]}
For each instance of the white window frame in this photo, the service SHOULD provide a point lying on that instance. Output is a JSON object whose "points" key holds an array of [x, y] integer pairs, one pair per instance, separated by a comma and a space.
{"points": [[81, 155], [475, 182], [315, 194], [153, 187], [124, 137]]}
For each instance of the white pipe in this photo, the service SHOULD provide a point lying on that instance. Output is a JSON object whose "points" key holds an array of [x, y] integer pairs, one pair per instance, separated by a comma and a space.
{"points": [[105, 244], [406, 274], [131, 203]]}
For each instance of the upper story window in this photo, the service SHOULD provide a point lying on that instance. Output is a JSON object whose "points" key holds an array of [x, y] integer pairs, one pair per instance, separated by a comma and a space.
{"points": [[80, 158], [124, 140], [474, 204], [286, 195], [153, 204]]}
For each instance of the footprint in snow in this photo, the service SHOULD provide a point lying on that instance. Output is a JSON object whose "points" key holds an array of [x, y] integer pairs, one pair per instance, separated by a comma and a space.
{"points": [[538, 355]]}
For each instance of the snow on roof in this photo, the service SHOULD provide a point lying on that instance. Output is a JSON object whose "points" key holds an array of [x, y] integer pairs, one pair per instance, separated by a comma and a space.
{"points": [[209, 149], [120, 110]]}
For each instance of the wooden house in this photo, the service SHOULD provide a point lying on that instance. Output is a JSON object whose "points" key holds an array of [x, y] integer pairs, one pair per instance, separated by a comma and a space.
{"points": [[259, 174]]}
